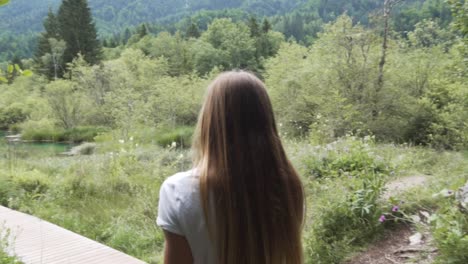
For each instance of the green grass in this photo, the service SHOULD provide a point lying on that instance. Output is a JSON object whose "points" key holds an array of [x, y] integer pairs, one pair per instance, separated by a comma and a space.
{"points": [[112, 196], [4, 243], [75, 135], [181, 136]]}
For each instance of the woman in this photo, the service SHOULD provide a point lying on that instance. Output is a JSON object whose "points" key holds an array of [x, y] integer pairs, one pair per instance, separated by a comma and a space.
{"points": [[243, 202]]}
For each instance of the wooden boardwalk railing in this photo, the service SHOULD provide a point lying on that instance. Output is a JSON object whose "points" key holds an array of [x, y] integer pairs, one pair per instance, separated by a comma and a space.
{"points": [[35, 241]]}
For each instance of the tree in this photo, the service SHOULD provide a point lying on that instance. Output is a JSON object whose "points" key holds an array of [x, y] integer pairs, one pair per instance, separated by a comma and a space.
{"points": [[428, 33], [142, 30], [254, 27], [4, 2], [54, 58], [66, 102], [174, 48], [78, 30], [266, 26], [460, 14], [126, 36], [233, 41], [12, 71], [192, 31], [388, 6], [52, 31]]}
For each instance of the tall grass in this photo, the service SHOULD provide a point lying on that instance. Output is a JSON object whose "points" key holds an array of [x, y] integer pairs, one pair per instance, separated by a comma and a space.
{"points": [[112, 196]]}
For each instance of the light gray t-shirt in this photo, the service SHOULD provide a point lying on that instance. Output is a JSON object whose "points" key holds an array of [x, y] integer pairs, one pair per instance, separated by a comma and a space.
{"points": [[180, 212]]}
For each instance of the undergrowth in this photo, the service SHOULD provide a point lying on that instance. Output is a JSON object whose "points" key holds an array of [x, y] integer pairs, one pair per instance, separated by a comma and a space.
{"points": [[112, 195]]}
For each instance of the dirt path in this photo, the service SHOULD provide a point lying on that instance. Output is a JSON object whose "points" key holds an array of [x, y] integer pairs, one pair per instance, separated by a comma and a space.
{"points": [[403, 244], [402, 184], [382, 251]]}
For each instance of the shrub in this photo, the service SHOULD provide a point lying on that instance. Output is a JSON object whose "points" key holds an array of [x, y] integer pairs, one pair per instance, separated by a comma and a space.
{"points": [[6, 190], [80, 134], [451, 235], [182, 136], [34, 182], [348, 156], [45, 130], [40, 130], [11, 116], [345, 223]]}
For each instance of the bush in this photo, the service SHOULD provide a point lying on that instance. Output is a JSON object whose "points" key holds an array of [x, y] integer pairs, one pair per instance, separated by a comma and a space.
{"points": [[6, 190], [80, 134], [41, 130], [34, 182], [11, 116], [182, 136], [45, 130], [348, 156], [345, 223], [451, 235]]}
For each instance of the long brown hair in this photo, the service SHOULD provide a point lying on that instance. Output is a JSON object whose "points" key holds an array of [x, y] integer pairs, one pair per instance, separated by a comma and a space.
{"points": [[251, 195]]}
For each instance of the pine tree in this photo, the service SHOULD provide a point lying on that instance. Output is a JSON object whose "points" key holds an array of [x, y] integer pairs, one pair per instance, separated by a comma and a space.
{"points": [[127, 35], [297, 27], [192, 31], [79, 31], [51, 27], [266, 26], [254, 27], [142, 30]]}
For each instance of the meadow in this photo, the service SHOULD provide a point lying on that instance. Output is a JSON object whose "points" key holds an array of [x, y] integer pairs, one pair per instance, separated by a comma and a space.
{"points": [[111, 196]]}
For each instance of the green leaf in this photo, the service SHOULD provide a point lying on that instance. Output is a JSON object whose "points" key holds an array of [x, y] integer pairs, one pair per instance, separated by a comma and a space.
{"points": [[17, 68], [3, 79], [4, 2], [27, 73], [10, 68]]}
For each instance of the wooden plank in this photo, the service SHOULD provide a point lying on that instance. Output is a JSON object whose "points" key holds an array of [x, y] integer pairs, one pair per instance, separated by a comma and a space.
{"points": [[35, 241]]}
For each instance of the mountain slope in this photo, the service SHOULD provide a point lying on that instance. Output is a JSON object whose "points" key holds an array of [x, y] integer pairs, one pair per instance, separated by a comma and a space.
{"points": [[22, 16], [21, 20]]}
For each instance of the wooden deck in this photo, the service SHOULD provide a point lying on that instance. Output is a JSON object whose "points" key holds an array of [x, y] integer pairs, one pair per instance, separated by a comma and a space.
{"points": [[39, 242]]}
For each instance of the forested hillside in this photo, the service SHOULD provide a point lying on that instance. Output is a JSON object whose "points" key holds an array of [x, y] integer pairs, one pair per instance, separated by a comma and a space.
{"points": [[301, 19]]}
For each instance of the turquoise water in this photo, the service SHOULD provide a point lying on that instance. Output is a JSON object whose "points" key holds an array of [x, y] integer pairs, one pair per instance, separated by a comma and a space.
{"points": [[30, 149]]}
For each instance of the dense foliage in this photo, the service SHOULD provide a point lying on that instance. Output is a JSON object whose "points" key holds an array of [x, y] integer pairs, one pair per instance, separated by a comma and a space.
{"points": [[330, 88], [300, 19]]}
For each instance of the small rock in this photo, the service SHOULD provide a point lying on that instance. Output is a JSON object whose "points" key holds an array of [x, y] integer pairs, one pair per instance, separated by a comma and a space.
{"points": [[416, 218], [426, 215], [415, 239]]}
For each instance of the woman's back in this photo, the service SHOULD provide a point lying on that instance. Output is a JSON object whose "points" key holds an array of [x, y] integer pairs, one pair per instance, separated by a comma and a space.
{"points": [[251, 196]]}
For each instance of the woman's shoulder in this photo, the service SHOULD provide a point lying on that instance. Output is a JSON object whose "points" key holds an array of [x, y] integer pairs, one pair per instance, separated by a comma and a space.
{"points": [[182, 185], [182, 179], [178, 202]]}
